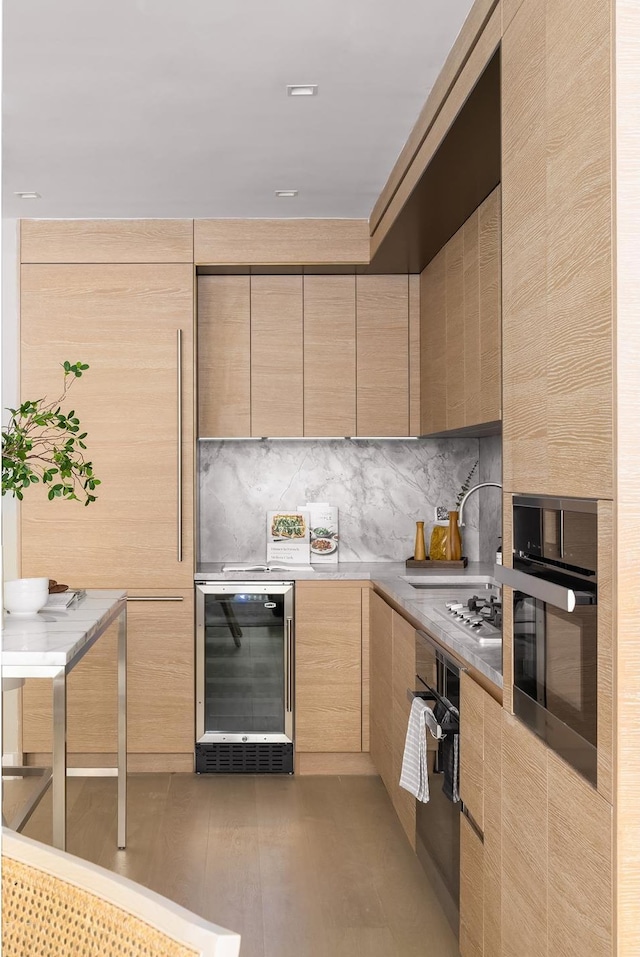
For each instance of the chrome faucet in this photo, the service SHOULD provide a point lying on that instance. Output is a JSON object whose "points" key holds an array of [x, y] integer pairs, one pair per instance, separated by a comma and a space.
{"points": [[474, 489]]}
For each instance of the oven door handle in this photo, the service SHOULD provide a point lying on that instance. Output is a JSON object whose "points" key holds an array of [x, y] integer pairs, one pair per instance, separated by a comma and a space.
{"points": [[549, 592]]}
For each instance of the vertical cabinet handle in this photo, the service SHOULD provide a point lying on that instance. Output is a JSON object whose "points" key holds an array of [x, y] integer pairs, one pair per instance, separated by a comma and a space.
{"points": [[288, 657], [179, 450]]}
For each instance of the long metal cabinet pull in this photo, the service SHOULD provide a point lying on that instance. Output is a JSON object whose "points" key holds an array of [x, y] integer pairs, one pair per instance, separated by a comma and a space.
{"points": [[288, 666], [153, 598], [179, 457]]}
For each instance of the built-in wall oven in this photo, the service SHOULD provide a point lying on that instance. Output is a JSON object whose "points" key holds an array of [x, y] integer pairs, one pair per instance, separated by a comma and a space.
{"points": [[555, 624], [244, 677], [438, 820]]}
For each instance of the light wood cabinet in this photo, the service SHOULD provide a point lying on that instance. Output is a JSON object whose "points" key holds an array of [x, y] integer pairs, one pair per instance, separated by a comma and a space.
{"points": [[160, 708], [382, 316], [392, 671], [461, 326], [557, 847], [329, 355], [480, 832], [106, 241], [123, 320], [318, 355], [380, 685], [224, 356], [557, 249], [276, 356], [403, 678], [328, 667]]}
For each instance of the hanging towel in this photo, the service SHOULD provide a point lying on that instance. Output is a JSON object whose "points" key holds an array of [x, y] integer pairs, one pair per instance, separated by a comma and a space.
{"points": [[448, 717], [414, 777]]}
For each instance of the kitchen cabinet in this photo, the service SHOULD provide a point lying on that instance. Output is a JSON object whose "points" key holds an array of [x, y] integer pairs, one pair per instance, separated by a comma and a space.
{"points": [[403, 676], [557, 249], [276, 355], [329, 355], [328, 667], [392, 673], [557, 847], [224, 356], [461, 326], [380, 687], [382, 322], [133, 324], [124, 321], [315, 355], [480, 825], [160, 719]]}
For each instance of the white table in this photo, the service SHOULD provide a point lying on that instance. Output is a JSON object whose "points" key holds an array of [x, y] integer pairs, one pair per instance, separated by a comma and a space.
{"points": [[49, 645]]}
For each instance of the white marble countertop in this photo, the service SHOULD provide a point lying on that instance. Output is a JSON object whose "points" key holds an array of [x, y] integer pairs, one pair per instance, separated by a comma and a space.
{"points": [[389, 578], [53, 638]]}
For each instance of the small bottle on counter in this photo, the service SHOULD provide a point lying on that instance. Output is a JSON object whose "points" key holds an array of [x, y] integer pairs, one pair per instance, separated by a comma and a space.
{"points": [[499, 552], [419, 551]]}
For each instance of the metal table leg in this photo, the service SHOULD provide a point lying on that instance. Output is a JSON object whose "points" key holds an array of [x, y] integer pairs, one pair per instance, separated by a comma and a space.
{"points": [[59, 760], [122, 727]]}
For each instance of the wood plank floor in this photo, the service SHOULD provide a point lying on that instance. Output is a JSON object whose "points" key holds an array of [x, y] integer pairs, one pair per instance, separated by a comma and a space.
{"points": [[300, 866]]}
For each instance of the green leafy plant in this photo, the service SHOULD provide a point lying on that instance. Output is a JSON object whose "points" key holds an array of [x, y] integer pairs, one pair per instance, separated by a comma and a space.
{"points": [[42, 443], [466, 485]]}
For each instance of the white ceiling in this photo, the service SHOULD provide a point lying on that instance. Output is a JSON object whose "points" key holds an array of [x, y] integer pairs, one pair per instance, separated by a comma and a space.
{"points": [[178, 108]]}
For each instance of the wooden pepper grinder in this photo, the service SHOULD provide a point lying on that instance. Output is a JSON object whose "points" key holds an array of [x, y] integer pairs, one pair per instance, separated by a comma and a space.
{"points": [[419, 551]]}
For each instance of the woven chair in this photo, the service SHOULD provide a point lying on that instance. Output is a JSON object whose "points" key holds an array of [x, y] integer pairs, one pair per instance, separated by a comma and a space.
{"points": [[56, 905]]}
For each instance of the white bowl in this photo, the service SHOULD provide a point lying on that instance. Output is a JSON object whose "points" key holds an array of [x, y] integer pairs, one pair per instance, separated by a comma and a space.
{"points": [[26, 596]]}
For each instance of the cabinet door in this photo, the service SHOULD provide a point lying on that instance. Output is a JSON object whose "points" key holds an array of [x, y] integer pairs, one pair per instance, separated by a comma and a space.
{"points": [[403, 678], [472, 748], [557, 255], [160, 686], [471, 891], [492, 814], [382, 309], [123, 320], [329, 355], [380, 703], [276, 356], [433, 345], [224, 356], [328, 657], [580, 866], [524, 840]]}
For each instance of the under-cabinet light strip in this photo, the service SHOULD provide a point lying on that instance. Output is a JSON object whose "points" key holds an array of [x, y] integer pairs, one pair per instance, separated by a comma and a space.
{"points": [[308, 438]]}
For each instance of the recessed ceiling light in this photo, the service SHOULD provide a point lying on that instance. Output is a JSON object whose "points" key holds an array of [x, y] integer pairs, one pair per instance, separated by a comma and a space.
{"points": [[29, 194], [302, 89], [286, 193]]}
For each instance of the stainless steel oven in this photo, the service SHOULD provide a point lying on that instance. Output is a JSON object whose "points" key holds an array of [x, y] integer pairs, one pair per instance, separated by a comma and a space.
{"points": [[555, 624]]}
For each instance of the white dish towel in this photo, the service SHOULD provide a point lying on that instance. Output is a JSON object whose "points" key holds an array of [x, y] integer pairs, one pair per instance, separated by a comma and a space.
{"points": [[414, 775]]}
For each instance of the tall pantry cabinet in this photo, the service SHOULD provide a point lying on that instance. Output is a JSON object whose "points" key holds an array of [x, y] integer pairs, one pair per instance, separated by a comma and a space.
{"points": [[118, 295]]}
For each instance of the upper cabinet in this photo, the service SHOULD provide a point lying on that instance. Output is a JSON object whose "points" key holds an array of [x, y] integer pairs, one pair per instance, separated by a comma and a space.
{"points": [[281, 242], [460, 313], [557, 249], [307, 355], [106, 241]]}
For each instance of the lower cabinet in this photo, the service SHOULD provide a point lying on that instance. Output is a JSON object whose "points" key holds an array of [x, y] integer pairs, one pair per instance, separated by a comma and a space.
{"points": [[328, 655], [392, 672], [160, 691], [480, 824], [557, 847]]}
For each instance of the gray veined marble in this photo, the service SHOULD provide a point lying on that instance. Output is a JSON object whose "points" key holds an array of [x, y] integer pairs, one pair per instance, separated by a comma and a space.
{"points": [[381, 487]]}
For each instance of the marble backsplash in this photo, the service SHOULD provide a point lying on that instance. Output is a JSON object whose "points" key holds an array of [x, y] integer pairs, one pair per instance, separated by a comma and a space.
{"points": [[381, 487]]}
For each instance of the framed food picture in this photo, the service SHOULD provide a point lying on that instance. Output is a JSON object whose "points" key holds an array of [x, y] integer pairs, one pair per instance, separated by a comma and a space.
{"points": [[288, 536]]}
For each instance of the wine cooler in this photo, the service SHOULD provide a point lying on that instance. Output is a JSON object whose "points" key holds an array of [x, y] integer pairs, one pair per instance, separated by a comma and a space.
{"points": [[244, 677]]}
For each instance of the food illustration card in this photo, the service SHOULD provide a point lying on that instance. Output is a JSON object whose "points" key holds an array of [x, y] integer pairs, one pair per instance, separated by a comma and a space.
{"points": [[323, 522], [288, 536]]}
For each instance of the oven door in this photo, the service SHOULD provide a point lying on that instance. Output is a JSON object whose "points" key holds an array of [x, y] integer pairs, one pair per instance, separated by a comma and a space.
{"points": [[555, 662]]}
